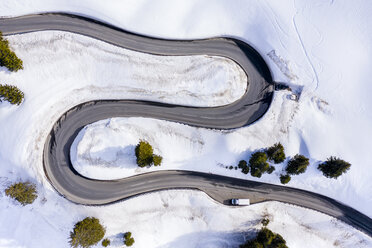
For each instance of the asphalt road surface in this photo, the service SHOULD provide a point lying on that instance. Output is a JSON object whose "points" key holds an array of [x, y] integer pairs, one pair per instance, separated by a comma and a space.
{"points": [[248, 109]]}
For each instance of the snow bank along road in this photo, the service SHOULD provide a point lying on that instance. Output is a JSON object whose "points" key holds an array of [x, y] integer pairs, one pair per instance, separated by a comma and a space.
{"points": [[249, 108]]}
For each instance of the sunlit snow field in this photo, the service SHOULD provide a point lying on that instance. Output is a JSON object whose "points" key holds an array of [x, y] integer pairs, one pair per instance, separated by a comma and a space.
{"points": [[321, 47]]}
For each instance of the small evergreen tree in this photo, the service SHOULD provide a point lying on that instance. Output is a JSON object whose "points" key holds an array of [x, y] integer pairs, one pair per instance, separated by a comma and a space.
{"points": [[258, 164], [25, 193], [252, 244], [145, 156], [334, 167], [265, 236], [276, 153], [7, 57], [284, 179], [128, 239], [106, 242], [266, 239], [86, 233], [297, 165], [245, 170], [244, 166], [11, 94], [157, 160]]}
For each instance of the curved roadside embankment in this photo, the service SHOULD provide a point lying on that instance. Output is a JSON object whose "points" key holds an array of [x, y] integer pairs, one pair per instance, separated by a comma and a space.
{"points": [[248, 109]]}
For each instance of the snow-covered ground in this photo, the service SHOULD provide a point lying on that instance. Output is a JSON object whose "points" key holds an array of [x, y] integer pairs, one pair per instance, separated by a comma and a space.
{"points": [[171, 219], [101, 71], [105, 149], [322, 46]]}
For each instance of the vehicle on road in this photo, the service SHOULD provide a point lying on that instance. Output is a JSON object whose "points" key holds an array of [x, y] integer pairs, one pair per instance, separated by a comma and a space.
{"points": [[240, 202]]}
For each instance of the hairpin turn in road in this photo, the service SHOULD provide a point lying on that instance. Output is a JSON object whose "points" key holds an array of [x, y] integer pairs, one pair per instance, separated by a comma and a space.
{"points": [[245, 111]]}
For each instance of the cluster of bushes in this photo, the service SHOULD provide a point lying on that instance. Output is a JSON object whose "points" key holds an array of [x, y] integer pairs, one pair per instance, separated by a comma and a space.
{"points": [[25, 193], [231, 167], [7, 57], [128, 239], [258, 164], [145, 155], [11, 94], [10, 60], [266, 239], [89, 232], [332, 168], [295, 166]]}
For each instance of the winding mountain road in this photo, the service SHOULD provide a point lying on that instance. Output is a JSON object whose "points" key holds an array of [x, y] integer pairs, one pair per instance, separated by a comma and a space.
{"points": [[248, 109]]}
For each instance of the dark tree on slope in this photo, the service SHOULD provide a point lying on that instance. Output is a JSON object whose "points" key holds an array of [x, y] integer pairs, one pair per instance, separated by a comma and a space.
{"points": [[258, 164], [25, 193], [244, 166], [284, 179], [145, 156], [7, 57], [276, 153], [106, 242], [157, 160], [297, 165], [128, 239], [86, 233], [144, 153], [266, 239], [334, 167], [11, 94]]}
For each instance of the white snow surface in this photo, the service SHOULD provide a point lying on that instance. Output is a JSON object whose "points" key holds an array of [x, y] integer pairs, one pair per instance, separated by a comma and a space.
{"points": [[322, 47], [171, 219], [98, 70]]}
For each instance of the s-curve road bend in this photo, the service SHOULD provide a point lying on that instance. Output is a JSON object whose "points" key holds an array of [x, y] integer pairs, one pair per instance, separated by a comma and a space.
{"points": [[248, 109]]}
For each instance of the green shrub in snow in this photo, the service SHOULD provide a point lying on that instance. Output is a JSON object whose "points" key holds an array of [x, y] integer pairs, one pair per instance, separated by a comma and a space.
{"points": [[145, 155], [243, 165], [258, 164], [297, 165], [7, 57], [266, 239], [284, 179], [25, 193], [106, 242], [11, 94], [128, 239], [86, 233], [334, 167], [276, 153], [157, 160]]}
